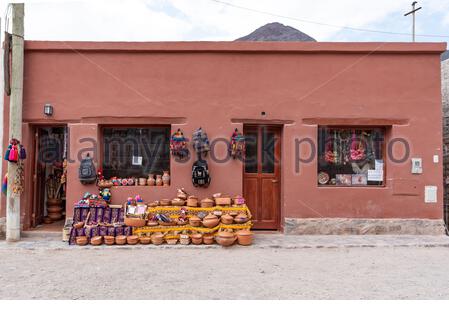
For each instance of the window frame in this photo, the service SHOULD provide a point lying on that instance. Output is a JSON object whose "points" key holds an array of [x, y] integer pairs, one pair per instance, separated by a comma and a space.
{"points": [[134, 126], [354, 127]]}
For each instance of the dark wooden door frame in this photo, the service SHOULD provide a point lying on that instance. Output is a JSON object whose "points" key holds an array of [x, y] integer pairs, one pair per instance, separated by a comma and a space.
{"points": [[275, 177]]}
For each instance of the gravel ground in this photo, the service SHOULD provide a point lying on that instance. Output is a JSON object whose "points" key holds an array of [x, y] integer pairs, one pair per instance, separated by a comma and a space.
{"points": [[235, 273]]}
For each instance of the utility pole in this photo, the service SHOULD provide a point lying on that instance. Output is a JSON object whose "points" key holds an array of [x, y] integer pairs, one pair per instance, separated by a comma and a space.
{"points": [[15, 118], [413, 15]]}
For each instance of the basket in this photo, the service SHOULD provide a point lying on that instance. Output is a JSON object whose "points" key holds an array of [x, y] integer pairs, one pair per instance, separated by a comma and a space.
{"points": [[81, 240], [172, 241], [135, 222], [165, 202], [109, 240], [157, 238], [195, 221], [197, 238], [121, 240], [207, 203], [167, 224], [184, 239], [223, 201], [96, 241], [178, 202], [145, 240], [132, 240], [79, 225]]}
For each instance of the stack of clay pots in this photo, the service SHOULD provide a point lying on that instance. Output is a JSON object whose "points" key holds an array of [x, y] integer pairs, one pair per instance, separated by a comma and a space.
{"points": [[54, 209]]}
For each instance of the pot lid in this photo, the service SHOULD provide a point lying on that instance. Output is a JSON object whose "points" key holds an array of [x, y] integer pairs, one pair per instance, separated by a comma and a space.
{"points": [[244, 232], [225, 234]]}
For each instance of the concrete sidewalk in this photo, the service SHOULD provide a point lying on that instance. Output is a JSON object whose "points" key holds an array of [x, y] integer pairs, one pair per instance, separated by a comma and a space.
{"points": [[37, 241]]}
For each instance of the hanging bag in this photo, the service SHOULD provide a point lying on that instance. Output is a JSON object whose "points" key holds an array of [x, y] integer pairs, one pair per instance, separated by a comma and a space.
{"points": [[87, 172], [200, 173]]}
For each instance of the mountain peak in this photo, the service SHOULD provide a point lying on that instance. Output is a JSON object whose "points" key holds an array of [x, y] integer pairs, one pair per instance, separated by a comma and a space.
{"points": [[276, 31]]}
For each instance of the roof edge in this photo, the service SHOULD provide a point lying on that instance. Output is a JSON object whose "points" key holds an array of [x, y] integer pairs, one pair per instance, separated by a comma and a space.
{"points": [[228, 46]]}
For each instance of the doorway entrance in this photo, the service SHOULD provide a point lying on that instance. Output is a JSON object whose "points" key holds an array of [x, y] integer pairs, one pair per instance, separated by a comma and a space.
{"points": [[262, 174], [49, 177]]}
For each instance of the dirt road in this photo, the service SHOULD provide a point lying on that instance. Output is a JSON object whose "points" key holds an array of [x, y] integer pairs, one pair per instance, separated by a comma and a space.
{"points": [[236, 273]]}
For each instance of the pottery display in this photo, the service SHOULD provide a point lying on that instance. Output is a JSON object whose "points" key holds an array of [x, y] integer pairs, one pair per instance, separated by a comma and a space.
{"points": [[159, 181], [151, 181], [210, 221], [225, 238], [244, 237], [166, 179]]}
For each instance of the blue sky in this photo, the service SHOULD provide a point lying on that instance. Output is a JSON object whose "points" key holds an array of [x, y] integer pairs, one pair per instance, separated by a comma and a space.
{"points": [[212, 20]]}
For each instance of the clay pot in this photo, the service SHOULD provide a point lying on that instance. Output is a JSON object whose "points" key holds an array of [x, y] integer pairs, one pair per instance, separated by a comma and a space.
{"points": [[142, 182], [81, 240], [210, 221], [165, 202], [207, 203], [120, 240], [208, 239], [192, 201], [145, 240], [195, 221], [227, 219], [47, 220], [151, 181], [244, 237], [225, 238], [178, 202], [54, 202], [197, 238], [159, 181], [109, 240], [241, 218], [157, 238], [166, 179], [96, 241], [132, 239]]}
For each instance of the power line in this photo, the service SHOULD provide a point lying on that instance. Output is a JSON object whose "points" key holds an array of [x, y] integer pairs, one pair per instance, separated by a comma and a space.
{"points": [[327, 24]]}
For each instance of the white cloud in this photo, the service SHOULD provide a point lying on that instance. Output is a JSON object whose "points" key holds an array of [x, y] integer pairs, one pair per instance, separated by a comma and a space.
{"points": [[156, 20]]}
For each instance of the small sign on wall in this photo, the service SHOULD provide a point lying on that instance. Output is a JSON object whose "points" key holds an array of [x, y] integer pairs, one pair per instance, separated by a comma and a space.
{"points": [[430, 194]]}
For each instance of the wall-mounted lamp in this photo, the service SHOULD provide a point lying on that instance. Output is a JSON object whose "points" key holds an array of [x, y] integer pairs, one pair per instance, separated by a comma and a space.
{"points": [[48, 109]]}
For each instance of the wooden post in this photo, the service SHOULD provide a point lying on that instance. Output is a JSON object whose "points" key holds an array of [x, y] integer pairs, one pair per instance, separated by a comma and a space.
{"points": [[15, 118]]}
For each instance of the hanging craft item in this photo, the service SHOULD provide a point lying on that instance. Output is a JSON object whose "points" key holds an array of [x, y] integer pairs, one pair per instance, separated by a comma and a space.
{"points": [[200, 173], [200, 142], [18, 183], [178, 145], [5, 184], [15, 151], [87, 173], [357, 151], [329, 154], [237, 147]]}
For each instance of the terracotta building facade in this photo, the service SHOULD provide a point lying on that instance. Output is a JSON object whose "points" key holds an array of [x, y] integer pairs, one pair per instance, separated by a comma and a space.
{"points": [[340, 137]]}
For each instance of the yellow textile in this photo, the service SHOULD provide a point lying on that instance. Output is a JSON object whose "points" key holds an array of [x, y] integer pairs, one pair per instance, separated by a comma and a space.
{"points": [[145, 230], [175, 210]]}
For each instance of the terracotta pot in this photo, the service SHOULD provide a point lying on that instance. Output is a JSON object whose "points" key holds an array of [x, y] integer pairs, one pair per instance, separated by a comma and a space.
{"points": [[142, 182], [210, 221], [157, 238], [227, 219], [132, 239], [197, 238], [195, 221], [81, 240], [54, 209], [208, 239], [192, 201], [47, 220], [166, 179], [225, 238], [54, 202], [244, 237], [120, 240], [96, 241], [241, 218], [151, 181], [145, 240], [159, 180], [109, 240], [207, 203]]}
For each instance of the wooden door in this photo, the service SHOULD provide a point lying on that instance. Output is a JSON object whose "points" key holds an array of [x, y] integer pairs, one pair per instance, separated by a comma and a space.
{"points": [[38, 184], [262, 173]]}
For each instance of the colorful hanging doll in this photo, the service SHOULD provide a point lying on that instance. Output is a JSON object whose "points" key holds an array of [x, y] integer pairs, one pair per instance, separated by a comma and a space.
{"points": [[5, 184], [178, 145], [357, 151], [200, 142], [106, 194], [237, 147], [15, 151]]}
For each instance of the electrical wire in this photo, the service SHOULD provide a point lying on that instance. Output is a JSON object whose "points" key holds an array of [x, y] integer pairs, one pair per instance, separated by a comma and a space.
{"points": [[327, 24]]}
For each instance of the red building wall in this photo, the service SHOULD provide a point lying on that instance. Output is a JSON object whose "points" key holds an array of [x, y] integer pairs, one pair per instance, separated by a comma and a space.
{"points": [[213, 85]]}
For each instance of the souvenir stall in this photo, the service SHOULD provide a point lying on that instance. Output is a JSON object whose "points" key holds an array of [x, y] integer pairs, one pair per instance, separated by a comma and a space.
{"points": [[182, 220]]}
